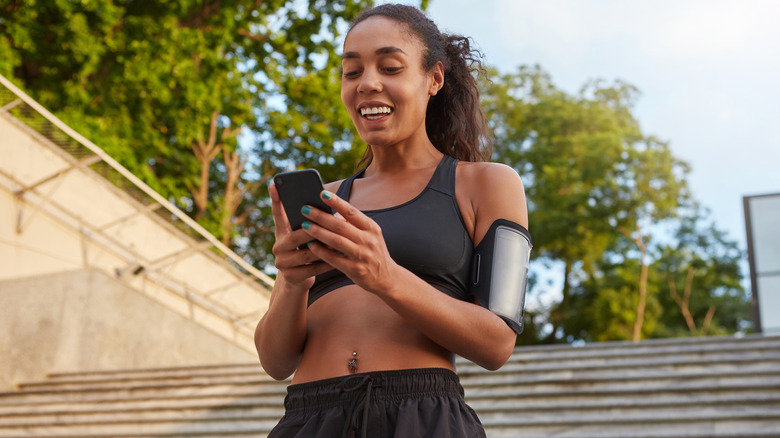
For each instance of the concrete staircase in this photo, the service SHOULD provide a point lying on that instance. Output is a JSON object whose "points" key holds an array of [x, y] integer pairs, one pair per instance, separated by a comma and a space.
{"points": [[699, 387]]}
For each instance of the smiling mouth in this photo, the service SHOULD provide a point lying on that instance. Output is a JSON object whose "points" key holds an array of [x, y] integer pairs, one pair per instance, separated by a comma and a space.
{"points": [[375, 113]]}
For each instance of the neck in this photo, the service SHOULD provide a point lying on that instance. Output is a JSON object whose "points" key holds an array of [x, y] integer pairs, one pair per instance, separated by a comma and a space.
{"points": [[396, 161], [405, 156]]}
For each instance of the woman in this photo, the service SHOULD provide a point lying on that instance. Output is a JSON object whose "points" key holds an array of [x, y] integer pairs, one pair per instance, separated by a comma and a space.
{"points": [[372, 338]]}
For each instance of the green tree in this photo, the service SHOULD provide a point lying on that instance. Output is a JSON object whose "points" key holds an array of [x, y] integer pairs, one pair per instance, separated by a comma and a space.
{"points": [[169, 88], [589, 170], [699, 274], [693, 285]]}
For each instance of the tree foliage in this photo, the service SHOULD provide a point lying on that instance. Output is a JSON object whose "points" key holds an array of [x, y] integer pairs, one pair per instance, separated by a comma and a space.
{"points": [[693, 286], [168, 89], [597, 186], [205, 101]]}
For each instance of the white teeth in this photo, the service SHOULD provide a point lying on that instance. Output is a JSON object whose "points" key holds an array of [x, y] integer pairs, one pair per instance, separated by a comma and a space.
{"points": [[376, 110]]}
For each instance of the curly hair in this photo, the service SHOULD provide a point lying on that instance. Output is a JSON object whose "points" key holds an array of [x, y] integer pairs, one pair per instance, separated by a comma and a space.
{"points": [[454, 120]]}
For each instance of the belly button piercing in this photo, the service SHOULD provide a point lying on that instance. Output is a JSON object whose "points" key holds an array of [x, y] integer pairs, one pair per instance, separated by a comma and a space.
{"points": [[353, 364]]}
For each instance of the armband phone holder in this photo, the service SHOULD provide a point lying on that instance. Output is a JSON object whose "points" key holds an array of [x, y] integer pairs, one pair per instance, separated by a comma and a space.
{"points": [[499, 271]]}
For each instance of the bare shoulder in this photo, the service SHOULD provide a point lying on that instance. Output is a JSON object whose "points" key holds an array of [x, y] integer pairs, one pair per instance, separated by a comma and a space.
{"points": [[333, 186], [484, 175], [494, 191]]}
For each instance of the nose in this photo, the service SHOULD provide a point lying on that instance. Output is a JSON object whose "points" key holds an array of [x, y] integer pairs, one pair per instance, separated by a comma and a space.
{"points": [[370, 81]]}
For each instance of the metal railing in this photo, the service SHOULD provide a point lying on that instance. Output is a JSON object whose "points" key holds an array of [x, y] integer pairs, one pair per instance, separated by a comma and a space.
{"points": [[84, 155]]}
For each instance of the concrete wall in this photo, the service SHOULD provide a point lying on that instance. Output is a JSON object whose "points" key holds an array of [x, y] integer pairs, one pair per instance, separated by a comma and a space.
{"points": [[87, 320]]}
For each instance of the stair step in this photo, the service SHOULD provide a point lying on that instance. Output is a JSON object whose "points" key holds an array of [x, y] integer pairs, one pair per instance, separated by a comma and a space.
{"points": [[716, 361], [527, 407], [483, 386], [651, 346], [640, 432], [251, 369], [159, 382], [631, 389], [757, 367], [623, 425], [207, 427], [649, 377], [725, 387], [125, 405], [170, 414], [144, 393], [553, 424], [752, 362], [551, 355], [522, 402]]}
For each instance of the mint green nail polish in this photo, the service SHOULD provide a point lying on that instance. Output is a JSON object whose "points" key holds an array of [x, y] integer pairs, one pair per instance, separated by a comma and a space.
{"points": [[306, 225], [326, 194], [305, 210]]}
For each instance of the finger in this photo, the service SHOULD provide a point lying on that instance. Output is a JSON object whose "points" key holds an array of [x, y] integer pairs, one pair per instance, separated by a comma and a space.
{"points": [[346, 210], [334, 222], [338, 240], [291, 242], [353, 266], [330, 231], [304, 272], [292, 258], [330, 256], [280, 217]]}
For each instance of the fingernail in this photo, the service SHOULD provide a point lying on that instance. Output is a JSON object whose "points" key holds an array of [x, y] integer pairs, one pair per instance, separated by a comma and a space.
{"points": [[306, 225], [326, 194], [305, 210], [309, 243]]}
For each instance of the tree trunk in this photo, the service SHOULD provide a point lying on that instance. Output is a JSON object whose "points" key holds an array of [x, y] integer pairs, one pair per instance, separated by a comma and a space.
{"points": [[642, 303], [205, 152], [640, 308]]}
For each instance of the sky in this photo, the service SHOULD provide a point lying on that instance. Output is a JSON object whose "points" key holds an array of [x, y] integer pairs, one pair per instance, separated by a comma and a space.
{"points": [[708, 72]]}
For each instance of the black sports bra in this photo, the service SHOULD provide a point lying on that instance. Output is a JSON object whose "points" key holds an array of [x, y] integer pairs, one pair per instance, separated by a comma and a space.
{"points": [[426, 235]]}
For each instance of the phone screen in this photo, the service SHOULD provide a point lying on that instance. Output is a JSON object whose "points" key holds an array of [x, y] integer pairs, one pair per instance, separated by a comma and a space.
{"points": [[298, 188]]}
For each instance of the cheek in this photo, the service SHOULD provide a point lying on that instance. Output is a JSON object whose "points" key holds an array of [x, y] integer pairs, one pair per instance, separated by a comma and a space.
{"points": [[344, 94], [346, 100]]}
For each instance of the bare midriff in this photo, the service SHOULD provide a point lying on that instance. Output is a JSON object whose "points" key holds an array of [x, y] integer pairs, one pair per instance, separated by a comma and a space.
{"points": [[350, 323]]}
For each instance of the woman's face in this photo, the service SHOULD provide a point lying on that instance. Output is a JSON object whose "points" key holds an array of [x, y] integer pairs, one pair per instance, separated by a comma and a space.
{"points": [[383, 84]]}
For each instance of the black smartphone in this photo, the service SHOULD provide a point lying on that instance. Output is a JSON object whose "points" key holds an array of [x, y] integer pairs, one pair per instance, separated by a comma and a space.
{"points": [[298, 188]]}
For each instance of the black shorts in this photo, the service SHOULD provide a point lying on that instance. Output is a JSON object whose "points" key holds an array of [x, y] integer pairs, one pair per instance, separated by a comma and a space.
{"points": [[407, 403]]}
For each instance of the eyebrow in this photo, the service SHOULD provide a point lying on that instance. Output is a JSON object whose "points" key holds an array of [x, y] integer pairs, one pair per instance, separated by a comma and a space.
{"points": [[380, 51]]}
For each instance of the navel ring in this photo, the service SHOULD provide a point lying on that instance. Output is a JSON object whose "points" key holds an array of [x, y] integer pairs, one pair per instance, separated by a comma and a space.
{"points": [[353, 364]]}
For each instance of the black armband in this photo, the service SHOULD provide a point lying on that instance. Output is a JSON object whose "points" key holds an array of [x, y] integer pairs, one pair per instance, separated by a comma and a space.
{"points": [[499, 271]]}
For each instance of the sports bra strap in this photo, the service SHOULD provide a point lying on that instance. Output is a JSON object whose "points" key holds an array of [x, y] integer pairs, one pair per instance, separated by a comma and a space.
{"points": [[345, 188], [443, 179]]}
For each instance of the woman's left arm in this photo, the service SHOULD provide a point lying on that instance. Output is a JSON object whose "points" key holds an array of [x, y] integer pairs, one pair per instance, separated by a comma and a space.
{"points": [[355, 246]]}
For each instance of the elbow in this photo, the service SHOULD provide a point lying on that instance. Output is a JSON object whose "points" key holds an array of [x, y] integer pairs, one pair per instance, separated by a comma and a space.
{"points": [[276, 372], [501, 351], [276, 368]]}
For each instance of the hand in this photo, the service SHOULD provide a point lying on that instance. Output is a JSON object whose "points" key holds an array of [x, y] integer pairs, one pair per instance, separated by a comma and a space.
{"points": [[351, 242], [297, 266]]}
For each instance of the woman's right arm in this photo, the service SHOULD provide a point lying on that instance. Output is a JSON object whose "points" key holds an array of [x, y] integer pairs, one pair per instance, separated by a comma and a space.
{"points": [[281, 333]]}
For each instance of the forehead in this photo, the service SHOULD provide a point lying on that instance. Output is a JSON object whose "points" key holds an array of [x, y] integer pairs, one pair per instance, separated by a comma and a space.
{"points": [[379, 32]]}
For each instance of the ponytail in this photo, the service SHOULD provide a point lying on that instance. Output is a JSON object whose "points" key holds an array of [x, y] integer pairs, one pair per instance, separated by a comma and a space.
{"points": [[454, 120]]}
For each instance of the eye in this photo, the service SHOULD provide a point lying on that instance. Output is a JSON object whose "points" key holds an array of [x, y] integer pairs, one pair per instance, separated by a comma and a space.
{"points": [[351, 74], [392, 70]]}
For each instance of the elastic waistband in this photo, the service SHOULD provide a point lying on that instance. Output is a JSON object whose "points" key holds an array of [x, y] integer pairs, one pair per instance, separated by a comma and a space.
{"points": [[400, 384]]}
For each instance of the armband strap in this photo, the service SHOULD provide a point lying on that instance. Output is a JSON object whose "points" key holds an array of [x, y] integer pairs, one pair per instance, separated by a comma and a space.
{"points": [[499, 271]]}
